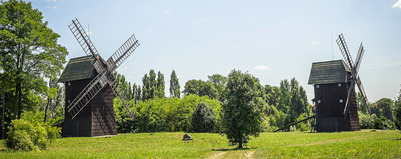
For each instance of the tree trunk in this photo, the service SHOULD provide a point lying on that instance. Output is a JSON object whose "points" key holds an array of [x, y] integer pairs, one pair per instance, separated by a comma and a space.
{"points": [[17, 98], [240, 143], [47, 106], [19, 102]]}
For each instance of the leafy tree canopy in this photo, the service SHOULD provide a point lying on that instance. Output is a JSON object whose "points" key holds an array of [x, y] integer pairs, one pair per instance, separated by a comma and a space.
{"points": [[200, 88], [242, 110], [29, 52]]}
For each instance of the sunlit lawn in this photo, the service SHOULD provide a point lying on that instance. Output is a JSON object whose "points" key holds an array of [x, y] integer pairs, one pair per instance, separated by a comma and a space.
{"points": [[362, 144]]}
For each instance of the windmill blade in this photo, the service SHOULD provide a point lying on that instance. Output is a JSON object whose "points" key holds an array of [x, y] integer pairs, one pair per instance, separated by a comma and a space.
{"points": [[86, 95], [349, 98], [122, 99], [86, 44], [122, 53], [82, 38], [344, 50], [358, 60], [362, 91]]}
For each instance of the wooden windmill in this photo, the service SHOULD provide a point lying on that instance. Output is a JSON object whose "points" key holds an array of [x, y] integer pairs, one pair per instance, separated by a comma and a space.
{"points": [[334, 85], [89, 87]]}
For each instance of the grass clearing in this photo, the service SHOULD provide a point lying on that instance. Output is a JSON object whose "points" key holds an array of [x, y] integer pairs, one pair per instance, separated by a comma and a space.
{"points": [[361, 144]]}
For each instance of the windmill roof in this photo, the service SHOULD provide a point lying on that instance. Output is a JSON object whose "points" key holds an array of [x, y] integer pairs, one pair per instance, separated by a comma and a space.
{"points": [[328, 72], [78, 69]]}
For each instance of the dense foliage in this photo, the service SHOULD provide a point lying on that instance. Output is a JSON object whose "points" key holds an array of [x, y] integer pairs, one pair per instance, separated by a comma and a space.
{"points": [[29, 52], [29, 56], [242, 110], [162, 114], [203, 118], [287, 103], [24, 135], [200, 88]]}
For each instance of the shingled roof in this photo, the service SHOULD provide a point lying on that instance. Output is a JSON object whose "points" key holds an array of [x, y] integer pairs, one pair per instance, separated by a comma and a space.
{"points": [[78, 69], [328, 72]]}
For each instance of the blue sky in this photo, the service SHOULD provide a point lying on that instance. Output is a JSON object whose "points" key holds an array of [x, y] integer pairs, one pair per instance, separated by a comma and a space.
{"points": [[273, 40]]}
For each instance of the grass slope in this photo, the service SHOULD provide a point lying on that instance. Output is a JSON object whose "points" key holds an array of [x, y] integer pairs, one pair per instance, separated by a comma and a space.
{"points": [[362, 144]]}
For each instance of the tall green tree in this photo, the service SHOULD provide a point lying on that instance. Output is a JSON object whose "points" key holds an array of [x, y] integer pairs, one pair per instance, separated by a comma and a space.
{"points": [[153, 86], [397, 111], [242, 110], [174, 86], [383, 107], [29, 51], [200, 88], [160, 86], [145, 87], [219, 82]]}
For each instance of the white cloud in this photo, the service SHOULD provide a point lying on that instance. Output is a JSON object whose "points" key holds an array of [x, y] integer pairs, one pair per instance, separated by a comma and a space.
{"points": [[149, 30], [397, 4], [52, 7], [50, 0], [260, 67], [202, 19], [314, 42], [167, 12]]}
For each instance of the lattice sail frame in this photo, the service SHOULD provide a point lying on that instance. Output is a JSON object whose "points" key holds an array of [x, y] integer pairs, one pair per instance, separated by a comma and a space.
{"points": [[354, 66], [104, 69]]}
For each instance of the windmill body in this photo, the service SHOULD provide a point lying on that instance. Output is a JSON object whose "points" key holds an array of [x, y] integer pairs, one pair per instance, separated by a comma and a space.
{"points": [[89, 88], [331, 82], [97, 117], [334, 84]]}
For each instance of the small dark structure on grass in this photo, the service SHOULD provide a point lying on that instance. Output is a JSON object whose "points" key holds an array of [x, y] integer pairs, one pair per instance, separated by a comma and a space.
{"points": [[187, 137], [334, 83], [89, 88]]}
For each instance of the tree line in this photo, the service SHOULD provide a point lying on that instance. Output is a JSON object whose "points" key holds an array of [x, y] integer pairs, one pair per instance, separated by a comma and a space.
{"points": [[283, 104], [31, 59]]}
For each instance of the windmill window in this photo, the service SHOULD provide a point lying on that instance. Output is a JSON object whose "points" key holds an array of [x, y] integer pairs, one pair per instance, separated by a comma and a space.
{"points": [[68, 101], [317, 86], [341, 101], [318, 101], [339, 85], [69, 83]]}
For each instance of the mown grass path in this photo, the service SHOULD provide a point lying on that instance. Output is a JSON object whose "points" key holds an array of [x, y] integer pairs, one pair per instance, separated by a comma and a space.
{"points": [[362, 144]]}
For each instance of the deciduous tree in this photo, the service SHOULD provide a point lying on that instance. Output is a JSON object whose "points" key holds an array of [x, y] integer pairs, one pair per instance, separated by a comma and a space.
{"points": [[242, 110], [200, 88], [29, 51]]}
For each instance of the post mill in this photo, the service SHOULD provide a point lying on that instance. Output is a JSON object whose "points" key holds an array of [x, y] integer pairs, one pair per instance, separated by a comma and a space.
{"points": [[89, 87]]}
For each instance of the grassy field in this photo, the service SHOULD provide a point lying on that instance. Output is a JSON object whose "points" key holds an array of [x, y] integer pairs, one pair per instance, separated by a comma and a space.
{"points": [[362, 144]]}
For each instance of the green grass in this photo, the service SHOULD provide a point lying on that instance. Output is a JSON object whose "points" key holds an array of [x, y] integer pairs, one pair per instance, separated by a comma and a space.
{"points": [[362, 144]]}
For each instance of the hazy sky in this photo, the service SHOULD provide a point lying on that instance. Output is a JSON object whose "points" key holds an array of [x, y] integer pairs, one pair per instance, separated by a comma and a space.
{"points": [[273, 40]]}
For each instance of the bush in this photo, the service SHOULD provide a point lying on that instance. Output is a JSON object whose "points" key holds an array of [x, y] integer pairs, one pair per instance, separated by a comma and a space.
{"points": [[25, 136], [366, 120], [203, 118], [383, 123]]}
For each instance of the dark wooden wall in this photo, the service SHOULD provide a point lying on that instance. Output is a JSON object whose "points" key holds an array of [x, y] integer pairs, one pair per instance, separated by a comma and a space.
{"points": [[97, 117], [103, 120], [81, 124], [330, 115]]}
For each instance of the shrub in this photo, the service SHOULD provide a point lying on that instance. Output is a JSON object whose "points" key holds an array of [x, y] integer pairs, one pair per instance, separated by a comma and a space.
{"points": [[25, 136], [203, 118], [383, 123], [366, 120]]}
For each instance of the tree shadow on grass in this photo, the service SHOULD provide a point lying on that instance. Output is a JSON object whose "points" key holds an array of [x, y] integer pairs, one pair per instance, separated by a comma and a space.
{"points": [[234, 149]]}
